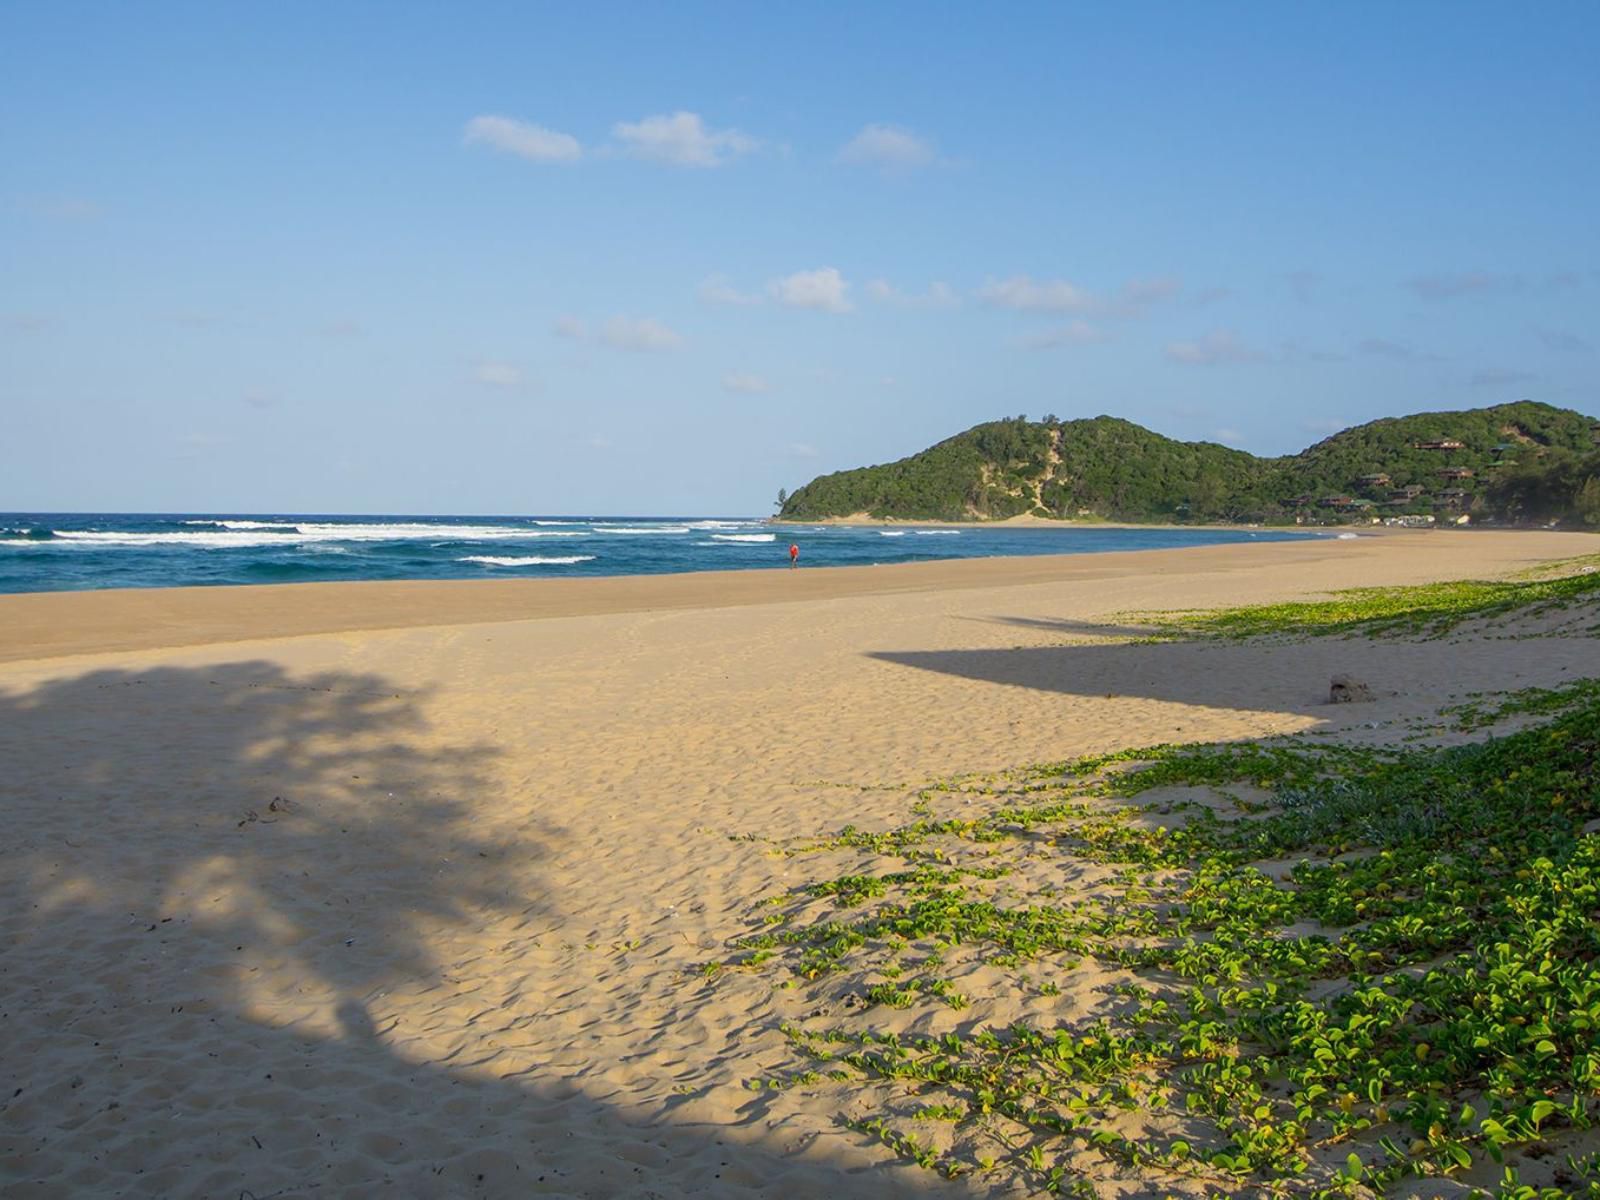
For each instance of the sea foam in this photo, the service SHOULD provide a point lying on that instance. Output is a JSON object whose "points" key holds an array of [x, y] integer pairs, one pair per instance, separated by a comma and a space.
{"points": [[532, 560], [255, 534]]}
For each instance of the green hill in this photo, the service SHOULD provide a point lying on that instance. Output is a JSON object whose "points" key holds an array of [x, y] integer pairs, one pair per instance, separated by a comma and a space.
{"points": [[1512, 462]]}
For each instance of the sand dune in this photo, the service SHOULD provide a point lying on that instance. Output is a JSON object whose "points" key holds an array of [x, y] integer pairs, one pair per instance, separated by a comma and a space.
{"points": [[401, 889]]}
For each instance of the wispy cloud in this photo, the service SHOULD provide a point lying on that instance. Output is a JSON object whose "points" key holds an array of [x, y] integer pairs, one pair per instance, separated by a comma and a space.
{"points": [[1303, 285], [681, 139], [889, 148], [194, 319], [59, 208], [1073, 333], [802, 450], [1464, 283], [1500, 377], [824, 290], [1291, 350], [525, 140], [1026, 294], [1217, 348], [938, 295], [1139, 294], [1385, 348], [497, 375], [198, 442], [1228, 437], [744, 384], [645, 334], [28, 322], [718, 289], [1450, 286], [1563, 341]]}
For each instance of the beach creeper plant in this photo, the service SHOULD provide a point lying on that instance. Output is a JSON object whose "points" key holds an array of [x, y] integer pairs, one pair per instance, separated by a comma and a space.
{"points": [[1428, 610], [1391, 970]]}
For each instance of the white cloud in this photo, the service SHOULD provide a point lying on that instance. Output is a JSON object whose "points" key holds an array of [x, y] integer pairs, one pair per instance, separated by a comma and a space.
{"points": [[889, 148], [938, 295], [718, 289], [533, 142], [802, 450], [1025, 294], [745, 384], [645, 334], [1228, 437], [571, 327], [823, 289], [1046, 295], [497, 375], [681, 140], [1215, 348], [1073, 333]]}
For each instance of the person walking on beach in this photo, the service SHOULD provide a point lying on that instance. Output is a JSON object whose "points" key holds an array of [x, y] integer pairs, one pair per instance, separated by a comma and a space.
{"points": [[794, 555]]}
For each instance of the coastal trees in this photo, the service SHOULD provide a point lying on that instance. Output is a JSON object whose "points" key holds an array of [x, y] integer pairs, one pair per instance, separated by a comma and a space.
{"points": [[1515, 462]]}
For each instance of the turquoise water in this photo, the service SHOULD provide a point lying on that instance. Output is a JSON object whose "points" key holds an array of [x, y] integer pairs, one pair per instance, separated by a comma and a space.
{"points": [[64, 551]]}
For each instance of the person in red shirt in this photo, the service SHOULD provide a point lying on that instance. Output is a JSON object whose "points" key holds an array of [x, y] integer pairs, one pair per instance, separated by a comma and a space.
{"points": [[794, 555]]}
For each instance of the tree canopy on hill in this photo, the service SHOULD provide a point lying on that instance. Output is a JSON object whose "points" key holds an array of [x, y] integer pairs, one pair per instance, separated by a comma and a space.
{"points": [[1515, 462]]}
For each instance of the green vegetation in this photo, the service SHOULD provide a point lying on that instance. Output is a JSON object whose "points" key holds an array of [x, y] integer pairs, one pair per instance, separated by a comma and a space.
{"points": [[1523, 462], [1286, 967], [1427, 610], [1391, 969]]}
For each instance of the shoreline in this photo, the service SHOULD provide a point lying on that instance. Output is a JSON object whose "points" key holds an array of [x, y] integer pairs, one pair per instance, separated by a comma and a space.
{"points": [[43, 625], [1021, 521]]}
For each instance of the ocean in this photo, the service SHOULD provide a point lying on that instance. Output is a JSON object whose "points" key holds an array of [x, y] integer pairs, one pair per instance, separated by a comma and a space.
{"points": [[42, 552]]}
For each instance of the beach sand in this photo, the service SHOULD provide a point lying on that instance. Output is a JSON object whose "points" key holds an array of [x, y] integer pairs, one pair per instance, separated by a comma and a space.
{"points": [[402, 889]]}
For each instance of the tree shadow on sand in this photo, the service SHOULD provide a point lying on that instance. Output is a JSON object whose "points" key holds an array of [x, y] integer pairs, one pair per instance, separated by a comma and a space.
{"points": [[1269, 677], [212, 881], [1067, 625]]}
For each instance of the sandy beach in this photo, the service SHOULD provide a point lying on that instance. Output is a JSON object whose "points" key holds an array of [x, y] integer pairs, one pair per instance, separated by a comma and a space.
{"points": [[403, 888]]}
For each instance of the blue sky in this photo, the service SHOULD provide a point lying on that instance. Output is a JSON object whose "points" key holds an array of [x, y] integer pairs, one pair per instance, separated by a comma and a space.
{"points": [[667, 259]]}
